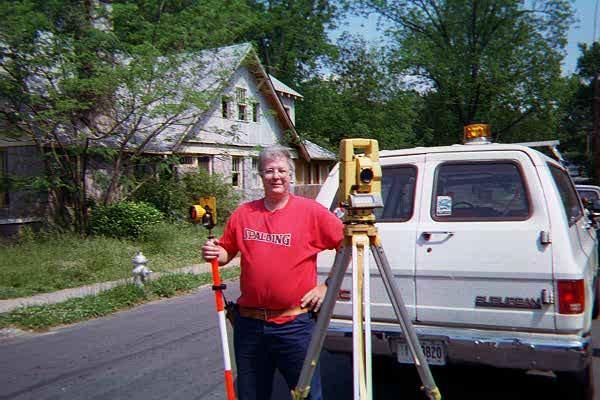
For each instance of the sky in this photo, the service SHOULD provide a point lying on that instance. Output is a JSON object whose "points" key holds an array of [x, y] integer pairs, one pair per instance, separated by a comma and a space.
{"points": [[580, 32]]}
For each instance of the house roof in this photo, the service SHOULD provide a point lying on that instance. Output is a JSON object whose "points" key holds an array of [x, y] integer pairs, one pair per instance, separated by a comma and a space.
{"points": [[8, 141], [211, 71], [317, 152], [284, 89]]}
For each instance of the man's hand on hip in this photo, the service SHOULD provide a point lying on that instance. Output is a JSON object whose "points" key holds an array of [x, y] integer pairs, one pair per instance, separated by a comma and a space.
{"points": [[313, 299]]}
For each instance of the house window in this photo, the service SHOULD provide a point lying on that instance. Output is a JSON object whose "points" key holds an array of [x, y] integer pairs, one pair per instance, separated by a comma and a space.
{"points": [[225, 107], [3, 180], [187, 160], [204, 163], [236, 171], [255, 112], [240, 97], [242, 112]]}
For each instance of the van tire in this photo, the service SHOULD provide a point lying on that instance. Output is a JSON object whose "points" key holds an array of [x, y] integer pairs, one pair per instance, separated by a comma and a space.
{"points": [[578, 385]]}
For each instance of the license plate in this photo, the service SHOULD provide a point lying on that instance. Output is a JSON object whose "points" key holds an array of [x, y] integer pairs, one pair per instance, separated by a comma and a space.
{"points": [[432, 349]]}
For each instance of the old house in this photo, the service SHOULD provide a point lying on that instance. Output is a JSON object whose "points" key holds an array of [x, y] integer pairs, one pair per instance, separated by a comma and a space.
{"points": [[251, 110]]}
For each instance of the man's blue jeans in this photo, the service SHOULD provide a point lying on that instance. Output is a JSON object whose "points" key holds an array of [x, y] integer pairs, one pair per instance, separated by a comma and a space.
{"points": [[261, 347]]}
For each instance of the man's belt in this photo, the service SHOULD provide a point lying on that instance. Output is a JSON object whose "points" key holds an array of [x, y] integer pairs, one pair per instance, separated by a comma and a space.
{"points": [[265, 314]]}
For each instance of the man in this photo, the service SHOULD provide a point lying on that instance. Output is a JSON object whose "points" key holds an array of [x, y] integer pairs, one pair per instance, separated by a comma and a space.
{"points": [[279, 237]]}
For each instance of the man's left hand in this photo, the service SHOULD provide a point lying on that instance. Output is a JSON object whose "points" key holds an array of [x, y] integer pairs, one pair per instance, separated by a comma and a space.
{"points": [[314, 298]]}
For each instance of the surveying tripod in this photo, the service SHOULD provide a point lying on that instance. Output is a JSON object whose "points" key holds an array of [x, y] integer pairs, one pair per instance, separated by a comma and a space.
{"points": [[359, 193]]}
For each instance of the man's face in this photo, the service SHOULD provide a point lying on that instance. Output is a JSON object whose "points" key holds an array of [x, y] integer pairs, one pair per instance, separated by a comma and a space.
{"points": [[276, 176]]}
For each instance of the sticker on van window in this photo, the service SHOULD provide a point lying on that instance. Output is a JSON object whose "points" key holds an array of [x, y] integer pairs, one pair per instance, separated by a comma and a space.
{"points": [[443, 205]]}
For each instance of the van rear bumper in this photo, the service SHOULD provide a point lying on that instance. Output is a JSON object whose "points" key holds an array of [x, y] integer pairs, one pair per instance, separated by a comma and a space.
{"points": [[503, 349]]}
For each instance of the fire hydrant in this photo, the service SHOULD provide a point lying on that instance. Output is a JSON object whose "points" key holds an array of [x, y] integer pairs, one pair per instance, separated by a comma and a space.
{"points": [[140, 271]]}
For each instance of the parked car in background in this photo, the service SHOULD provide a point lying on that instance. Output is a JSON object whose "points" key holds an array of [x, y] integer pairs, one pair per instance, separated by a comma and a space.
{"points": [[590, 197]]}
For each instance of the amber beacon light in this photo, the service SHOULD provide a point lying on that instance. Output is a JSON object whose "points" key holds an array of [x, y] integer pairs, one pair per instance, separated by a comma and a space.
{"points": [[477, 134]]}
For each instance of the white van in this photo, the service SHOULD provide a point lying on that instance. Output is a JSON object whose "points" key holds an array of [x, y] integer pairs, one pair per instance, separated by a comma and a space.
{"points": [[494, 257]]}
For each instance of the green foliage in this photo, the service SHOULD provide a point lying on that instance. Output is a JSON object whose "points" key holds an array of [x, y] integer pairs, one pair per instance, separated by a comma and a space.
{"points": [[173, 195], [494, 61], [126, 219], [99, 78], [167, 194], [203, 184], [291, 35], [174, 25], [578, 116], [118, 298], [363, 98], [68, 260]]}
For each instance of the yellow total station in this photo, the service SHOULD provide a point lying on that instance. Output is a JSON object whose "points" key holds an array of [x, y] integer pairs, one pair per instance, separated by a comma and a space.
{"points": [[360, 179], [205, 212]]}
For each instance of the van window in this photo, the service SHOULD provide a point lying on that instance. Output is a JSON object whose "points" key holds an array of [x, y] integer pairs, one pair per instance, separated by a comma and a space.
{"points": [[568, 195], [398, 192], [480, 191]]}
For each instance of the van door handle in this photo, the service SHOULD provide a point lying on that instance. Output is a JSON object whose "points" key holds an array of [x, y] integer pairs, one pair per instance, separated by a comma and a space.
{"points": [[427, 235]]}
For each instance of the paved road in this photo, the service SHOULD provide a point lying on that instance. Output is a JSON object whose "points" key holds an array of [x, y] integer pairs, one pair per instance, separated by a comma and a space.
{"points": [[170, 350]]}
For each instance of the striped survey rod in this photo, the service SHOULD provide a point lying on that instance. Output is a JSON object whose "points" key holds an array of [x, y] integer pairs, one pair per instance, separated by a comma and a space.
{"points": [[218, 287]]}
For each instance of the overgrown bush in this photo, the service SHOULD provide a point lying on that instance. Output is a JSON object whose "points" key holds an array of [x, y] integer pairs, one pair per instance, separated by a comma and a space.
{"points": [[202, 184], [126, 219], [166, 194], [173, 195]]}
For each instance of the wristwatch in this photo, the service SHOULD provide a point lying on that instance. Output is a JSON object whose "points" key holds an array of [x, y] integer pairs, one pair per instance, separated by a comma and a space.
{"points": [[327, 281]]}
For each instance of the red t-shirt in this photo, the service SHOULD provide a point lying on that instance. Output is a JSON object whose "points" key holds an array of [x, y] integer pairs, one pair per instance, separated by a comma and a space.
{"points": [[279, 249]]}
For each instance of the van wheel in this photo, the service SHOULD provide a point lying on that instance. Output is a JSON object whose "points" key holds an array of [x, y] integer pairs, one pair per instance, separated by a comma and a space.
{"points": [[577, 385]]}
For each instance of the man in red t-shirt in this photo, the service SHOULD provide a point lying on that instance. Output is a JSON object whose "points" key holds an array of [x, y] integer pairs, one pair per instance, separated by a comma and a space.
{"points": [[279, 237]]}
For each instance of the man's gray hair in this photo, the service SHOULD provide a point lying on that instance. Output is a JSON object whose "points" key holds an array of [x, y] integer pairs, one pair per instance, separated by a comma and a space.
{"points": [[274, 152]]}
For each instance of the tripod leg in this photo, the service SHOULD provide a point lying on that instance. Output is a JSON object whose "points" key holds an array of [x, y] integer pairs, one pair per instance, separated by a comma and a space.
{"points": [[407, 327], [342, 259], [367, 330], [361, 329]]}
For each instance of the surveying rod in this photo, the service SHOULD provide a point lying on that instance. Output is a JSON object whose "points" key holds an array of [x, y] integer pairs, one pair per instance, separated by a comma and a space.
{"points": [[206, 212]]}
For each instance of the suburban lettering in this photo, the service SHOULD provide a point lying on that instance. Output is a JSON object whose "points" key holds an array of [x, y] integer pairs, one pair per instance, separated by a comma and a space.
{"points": [[508, 302]]}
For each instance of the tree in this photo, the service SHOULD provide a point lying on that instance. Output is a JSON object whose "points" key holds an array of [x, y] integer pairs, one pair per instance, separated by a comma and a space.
{"points": [[87, 86], [291, 35], [362, 97], [495, 61], [577, 123]]}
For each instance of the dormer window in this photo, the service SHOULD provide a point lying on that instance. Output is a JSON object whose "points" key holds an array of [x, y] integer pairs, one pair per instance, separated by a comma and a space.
{"points": [[240, 95], [225, 107], [242, 106]]}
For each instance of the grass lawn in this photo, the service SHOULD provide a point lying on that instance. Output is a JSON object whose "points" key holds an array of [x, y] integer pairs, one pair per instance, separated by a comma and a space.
{"points": [[50, 262], [40, 318]]}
